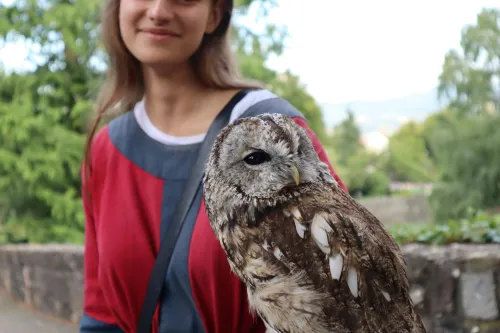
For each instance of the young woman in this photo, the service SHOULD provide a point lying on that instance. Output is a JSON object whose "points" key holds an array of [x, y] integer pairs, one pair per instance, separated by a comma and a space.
{"points": [[169, 65]]}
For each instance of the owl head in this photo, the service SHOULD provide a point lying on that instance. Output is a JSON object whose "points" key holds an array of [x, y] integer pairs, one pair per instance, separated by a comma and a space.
{"points": [[262, 156]]}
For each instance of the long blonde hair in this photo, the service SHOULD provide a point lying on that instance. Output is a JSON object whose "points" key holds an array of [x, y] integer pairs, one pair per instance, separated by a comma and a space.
{"points": [[213, 62]]}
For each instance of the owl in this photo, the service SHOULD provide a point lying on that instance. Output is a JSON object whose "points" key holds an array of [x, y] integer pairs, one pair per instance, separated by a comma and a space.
{"points": [[312, 258]]}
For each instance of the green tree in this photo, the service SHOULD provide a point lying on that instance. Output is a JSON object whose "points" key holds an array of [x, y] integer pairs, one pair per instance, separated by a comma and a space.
{"points": [[43, 115], [465, 138], [361, 170], [408, 155], [469, 155], [347, 138], [470, 78], [364, 175]]}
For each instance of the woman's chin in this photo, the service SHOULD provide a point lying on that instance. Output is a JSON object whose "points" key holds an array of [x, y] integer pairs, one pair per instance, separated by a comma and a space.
{"points": [[161, 60]]}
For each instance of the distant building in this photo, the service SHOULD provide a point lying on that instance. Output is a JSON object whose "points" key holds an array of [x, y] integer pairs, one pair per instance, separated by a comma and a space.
{"points": [[330, 131], [374, 141]]}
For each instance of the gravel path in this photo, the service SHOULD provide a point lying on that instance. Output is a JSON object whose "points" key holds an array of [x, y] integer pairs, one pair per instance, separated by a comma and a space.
{"points": [[19, 318]]}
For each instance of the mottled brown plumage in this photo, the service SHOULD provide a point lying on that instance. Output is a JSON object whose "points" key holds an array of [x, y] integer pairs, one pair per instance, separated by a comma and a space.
{"points": [[313, 259]]}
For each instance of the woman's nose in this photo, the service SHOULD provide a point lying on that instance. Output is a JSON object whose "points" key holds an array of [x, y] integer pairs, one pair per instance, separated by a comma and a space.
{"points": [[161, 10]]}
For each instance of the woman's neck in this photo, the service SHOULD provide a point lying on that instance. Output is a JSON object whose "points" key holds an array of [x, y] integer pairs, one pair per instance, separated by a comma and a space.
{"points": [[173, 100]]}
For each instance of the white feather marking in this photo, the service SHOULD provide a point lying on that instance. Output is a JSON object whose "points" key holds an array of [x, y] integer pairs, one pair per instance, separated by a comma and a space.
{"points": [[277, 253], [255, 202], [386, 295], [265, 245], [319, 231], [301, 229], [336, 262], [296, 213], [269, 329], [352, 281]]}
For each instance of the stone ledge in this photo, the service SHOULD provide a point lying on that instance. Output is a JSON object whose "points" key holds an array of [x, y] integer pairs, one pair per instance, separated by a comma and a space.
{"points": [[47, 277], [456, 288]]}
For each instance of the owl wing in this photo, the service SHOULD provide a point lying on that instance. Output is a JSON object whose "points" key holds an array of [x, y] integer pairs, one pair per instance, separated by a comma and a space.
{"points": [[346, 252]]}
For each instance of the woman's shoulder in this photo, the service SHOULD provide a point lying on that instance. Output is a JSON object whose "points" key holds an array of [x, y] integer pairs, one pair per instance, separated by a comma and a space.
{"points": [[109, 135], [115, 145], [261, 101]]}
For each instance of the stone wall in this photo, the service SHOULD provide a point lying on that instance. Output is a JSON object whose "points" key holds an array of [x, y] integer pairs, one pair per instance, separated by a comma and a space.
{"points": [[455, 288], [401, 209], [48, 277]]}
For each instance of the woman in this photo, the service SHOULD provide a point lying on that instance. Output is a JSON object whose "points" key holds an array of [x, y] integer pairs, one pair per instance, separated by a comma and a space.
{"points": [[171, 66]]}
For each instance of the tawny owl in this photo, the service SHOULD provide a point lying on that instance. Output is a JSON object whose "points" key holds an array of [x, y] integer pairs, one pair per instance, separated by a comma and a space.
{"points": [[312, 258]]}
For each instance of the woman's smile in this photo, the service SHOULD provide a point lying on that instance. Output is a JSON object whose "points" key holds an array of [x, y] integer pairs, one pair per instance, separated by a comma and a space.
{"points": [[160, 34]]}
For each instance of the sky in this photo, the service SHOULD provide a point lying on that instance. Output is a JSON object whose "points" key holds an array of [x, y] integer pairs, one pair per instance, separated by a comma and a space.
{"points": [[371, 50], [359, 50]]}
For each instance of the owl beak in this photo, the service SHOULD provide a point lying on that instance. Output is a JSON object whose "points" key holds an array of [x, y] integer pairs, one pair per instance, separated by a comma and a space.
{"points": [[295, 174]]}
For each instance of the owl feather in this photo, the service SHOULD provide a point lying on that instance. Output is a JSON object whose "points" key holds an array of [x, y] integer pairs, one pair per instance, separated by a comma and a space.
{"points": [[312, 258]]}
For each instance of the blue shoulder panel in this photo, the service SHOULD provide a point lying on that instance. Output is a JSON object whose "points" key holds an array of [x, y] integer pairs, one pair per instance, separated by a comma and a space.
{"points": [[148, 154]]}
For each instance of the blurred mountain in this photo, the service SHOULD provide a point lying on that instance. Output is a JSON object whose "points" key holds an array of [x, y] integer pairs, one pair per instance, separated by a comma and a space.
{"points": [[384, 116]]}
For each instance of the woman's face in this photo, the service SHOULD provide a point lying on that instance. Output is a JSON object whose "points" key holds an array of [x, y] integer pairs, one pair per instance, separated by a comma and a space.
{"points": [[166, 32]]}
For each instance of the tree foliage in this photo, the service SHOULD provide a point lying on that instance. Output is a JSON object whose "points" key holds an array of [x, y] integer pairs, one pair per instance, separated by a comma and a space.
{"points": [[43, 115], [346, 138], [44, 109], [471, 78], [408, 156], [469, 155], [465, 138], [362, 171]]}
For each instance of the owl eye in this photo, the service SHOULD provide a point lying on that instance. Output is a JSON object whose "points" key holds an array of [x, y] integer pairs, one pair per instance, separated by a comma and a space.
{"points": [[257, 157]]}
